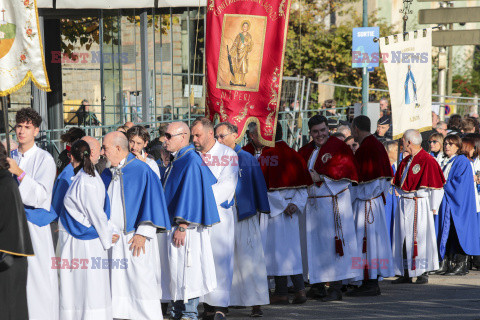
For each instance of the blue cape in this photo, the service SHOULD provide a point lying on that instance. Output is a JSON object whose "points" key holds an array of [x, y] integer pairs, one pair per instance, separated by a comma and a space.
{"points": [[64, 180], [391, 202], [251, 191], [40, 216], [162, 168], [143, 195], [78, 230], [458, 205], [188, 189]]}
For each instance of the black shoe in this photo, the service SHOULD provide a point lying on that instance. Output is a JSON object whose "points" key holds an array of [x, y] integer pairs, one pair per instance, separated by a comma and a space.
{"points": [[256, 312], [219, 316], [317, 291], [423, 279], [401, 280], [300, 297], [460, 268], [443, 266], [332, 295], [364, 291]]}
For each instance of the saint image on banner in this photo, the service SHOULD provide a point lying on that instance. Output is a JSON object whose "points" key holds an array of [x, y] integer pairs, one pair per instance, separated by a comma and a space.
{"points": [[410, 87], [241, 52], [238, 55]]}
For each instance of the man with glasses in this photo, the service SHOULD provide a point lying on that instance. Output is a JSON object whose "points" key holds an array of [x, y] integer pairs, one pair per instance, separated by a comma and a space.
{"points": [[189, 272], [222, 162], [254, 146], [442, 128], [250, 286]]}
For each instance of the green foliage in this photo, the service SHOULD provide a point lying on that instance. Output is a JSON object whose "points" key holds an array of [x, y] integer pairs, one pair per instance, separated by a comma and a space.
{"points": [[86, 31], [467, 85], [314, 48], [9, 29]]}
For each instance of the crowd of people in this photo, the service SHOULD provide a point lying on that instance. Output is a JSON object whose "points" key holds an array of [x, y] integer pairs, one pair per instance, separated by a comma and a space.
{"points": [[150, 228]]}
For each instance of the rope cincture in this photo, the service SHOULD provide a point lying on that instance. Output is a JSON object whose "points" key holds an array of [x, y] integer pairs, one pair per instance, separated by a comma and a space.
{"points": [[339, 239], [369, 219], [415, 249]]}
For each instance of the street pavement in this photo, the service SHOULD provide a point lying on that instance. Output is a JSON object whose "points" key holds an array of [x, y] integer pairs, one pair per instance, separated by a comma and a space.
{"points": [[443, 297]]}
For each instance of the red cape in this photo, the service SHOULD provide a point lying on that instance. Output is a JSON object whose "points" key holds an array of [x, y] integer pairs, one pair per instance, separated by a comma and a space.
{"points": [[251, 149], [335, 160], [284, 168], [372, 161], [424, 172]]}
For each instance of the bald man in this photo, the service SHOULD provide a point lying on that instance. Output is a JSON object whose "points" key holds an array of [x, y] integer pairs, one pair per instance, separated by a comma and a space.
{"points": [[95, 147], [191, 204], [136, 213], [129, 124]]}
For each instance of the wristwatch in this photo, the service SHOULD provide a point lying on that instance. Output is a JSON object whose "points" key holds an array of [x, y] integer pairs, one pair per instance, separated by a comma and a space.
{"points": [[181, 229]]}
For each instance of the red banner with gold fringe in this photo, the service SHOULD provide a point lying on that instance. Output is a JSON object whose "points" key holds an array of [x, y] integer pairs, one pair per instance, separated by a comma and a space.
{"points": [[245, 47]]}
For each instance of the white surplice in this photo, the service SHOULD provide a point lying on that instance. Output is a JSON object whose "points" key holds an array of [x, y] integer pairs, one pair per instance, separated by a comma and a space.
{"points": [[250, 284], [134, 289], [191, 267], [378, 259], [85, 293], [324, 264], [36, 191], [281, 233], [427, 259], [223, 163]]}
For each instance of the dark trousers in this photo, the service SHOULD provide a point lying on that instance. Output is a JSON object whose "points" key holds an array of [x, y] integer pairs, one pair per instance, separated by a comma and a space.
{"points": [[281, 284]]}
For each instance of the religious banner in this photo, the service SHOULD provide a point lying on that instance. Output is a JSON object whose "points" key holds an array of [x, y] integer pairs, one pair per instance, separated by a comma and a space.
{"points": [[408, 65], [245, 48], [21, 50]]}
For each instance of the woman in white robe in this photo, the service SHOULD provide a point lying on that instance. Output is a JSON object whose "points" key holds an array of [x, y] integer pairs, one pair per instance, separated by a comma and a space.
{"points": [[84, 267]]}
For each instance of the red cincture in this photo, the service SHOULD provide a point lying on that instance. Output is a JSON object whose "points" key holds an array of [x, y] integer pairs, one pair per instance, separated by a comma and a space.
{"points": [[415, 250]]}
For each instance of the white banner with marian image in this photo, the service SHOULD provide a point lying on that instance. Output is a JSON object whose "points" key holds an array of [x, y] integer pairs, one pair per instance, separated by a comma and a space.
{"points": [[408, 65]]}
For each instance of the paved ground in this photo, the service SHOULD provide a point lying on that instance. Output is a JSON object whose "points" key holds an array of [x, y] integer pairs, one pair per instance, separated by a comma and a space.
{"points": [[443, 298]]}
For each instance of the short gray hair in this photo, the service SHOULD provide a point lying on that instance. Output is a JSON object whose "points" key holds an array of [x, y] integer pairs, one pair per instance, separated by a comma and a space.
{"points": [[231, 127], [413, 136], [121, 141]]}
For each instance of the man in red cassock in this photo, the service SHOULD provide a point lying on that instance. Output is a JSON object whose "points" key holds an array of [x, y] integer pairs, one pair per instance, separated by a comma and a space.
{"points": [[419, 180], [373, 237], [331, 244], [286, 176]]}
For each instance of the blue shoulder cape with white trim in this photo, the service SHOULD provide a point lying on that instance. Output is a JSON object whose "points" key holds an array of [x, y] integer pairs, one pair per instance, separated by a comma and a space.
{"points": [[251, 191], [143, 194], [188, 189]]}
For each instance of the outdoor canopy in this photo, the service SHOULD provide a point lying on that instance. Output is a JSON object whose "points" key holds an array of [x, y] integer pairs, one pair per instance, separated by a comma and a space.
{"points": [[118, 4]]}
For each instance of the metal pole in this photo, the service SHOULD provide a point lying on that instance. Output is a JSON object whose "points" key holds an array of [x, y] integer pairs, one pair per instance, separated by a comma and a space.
{"points": [[145, 71], [5, 122], [171, 64], [189, 83], [102, 67], [365, 79], [441, 88]]}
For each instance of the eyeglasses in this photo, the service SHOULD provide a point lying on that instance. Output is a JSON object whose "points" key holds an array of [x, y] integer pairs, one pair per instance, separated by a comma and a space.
{"points": [[433, 142], [449, 143], [170, 136], [222, 136]]}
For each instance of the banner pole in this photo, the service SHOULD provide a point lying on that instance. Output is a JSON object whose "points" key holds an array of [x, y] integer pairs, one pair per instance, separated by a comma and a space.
{"points": [[365, 80], [5, 122]]}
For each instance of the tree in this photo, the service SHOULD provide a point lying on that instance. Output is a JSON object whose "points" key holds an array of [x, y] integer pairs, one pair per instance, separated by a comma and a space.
{"points": [[86, 31], [315, 48]]}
